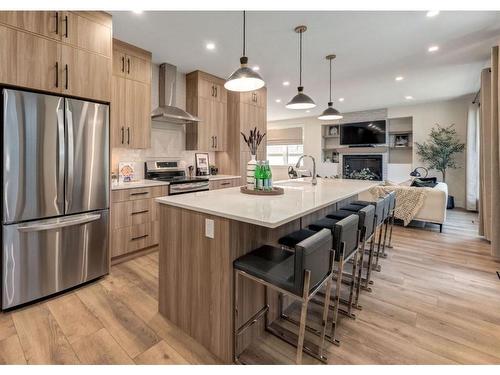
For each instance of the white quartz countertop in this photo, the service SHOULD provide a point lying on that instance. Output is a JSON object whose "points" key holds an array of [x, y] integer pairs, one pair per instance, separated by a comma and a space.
{"points": [[222, 177], [137, 184], [300, 199]]}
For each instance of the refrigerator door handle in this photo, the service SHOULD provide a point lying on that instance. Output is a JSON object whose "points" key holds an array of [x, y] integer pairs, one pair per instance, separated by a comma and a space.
{"points": [[70, 157], [60, 165], [49, 224]]}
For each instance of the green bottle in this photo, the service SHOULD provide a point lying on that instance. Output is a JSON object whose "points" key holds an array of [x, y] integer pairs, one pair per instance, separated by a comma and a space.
{"points": [[258, 176], [269, 176]]}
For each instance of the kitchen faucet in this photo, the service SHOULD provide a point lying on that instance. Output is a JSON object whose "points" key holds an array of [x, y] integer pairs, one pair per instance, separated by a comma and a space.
{"points": [[314, 181]]}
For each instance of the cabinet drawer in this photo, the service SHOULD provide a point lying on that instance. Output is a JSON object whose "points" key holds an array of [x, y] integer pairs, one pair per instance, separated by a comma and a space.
{"points": [[127, 213], [138, 193], [224, 184], [133, 238]]}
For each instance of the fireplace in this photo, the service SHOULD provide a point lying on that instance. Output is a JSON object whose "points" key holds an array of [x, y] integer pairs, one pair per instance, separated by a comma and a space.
{"points": [[362, 167]]}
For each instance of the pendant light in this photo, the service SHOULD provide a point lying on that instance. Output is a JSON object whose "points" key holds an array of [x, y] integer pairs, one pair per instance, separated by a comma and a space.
{"points": [[330, 113], [244, 79], [301, 100]]}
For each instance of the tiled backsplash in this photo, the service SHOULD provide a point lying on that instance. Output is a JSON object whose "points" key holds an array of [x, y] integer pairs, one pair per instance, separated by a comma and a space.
{"points": [[167, 142]]}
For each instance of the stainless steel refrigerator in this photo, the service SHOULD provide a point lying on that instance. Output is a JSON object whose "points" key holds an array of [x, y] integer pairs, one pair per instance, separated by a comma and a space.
{"points": [[55, 194]]}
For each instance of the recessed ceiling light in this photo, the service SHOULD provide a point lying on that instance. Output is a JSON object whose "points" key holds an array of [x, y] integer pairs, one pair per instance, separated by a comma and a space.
{"points": [[341, 99], [278, 100], [399, 78], [210, 46], [433, 48], [432, 13], [408, 97], [137, 11], [256, 68], [286, 83]]}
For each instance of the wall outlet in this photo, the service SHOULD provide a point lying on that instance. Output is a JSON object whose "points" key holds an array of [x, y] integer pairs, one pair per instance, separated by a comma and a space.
{"points": [[209, 228]]}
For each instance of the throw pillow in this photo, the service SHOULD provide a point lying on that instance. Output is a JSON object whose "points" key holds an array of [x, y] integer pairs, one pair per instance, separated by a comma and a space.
{"points": [[420, 183]]}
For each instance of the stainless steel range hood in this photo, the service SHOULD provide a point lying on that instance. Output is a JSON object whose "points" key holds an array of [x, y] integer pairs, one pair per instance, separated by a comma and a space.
{"points": [[167, 110]]}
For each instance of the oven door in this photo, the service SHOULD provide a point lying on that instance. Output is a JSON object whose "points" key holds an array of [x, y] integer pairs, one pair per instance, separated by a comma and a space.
{"points": [[188, 187]]}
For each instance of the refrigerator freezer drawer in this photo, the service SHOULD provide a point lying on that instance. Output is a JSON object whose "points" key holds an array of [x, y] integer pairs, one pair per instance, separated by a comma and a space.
{"points": [[47, 256]]}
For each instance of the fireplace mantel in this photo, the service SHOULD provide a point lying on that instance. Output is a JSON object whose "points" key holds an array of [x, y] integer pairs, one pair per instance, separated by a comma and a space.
{"points": [[362, 150]]}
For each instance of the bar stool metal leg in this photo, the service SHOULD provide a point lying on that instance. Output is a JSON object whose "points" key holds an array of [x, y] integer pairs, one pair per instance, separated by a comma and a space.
{"points": [[360, 275], [384, 242], [379, 247], [235, 317], [353, 285], [326, 310], [370, 264], [390, 231], [303, 316], [337, 295]]}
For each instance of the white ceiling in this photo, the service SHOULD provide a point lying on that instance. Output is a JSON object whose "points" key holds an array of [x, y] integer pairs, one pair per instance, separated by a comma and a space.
{"points": [[372, 48]]}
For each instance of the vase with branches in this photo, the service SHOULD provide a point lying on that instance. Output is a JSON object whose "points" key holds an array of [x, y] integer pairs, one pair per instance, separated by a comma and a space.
{"points": [[440, 151], [253, 141]]}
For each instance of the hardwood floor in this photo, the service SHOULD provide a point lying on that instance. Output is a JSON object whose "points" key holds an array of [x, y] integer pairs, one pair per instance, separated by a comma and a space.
{"points": [[436, 301]]}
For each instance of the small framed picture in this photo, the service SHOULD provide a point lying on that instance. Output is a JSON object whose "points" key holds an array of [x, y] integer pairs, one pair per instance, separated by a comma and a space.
{"points": [[333, 130], [401, 141], [202, 164]]}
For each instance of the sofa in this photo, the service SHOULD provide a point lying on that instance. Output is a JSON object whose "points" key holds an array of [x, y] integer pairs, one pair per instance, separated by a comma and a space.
{"points": [[434, 208]]}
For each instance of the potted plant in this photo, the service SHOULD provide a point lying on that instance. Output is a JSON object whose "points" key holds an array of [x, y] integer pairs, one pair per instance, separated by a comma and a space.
{"points": [[253, 141], [440, 150]]}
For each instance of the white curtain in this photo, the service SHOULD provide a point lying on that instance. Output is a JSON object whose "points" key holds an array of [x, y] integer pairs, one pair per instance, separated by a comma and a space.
{"points": [[472, 163]]}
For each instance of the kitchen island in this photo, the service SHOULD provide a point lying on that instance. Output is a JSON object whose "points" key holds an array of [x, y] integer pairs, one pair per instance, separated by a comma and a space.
{"points": [[201, 234]]}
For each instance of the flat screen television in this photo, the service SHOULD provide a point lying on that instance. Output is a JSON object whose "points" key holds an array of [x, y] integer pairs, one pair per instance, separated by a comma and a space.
{"points": [[363, 133]]}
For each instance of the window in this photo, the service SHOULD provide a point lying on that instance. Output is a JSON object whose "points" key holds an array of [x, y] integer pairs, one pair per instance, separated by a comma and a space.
{"points": [[284, 154]]}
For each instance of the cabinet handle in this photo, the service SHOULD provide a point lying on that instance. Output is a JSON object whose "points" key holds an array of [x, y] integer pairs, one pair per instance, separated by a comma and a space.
{"points": [[139, 212], [57, 24], [128, 135], [216, 93], [123, 64], [140, 193], [212, 90], [139, 237], [216, 142], [123, 134], [128, 65], [212, 142], [66, 27], [225, 183], [66, 70], [57, 74]]}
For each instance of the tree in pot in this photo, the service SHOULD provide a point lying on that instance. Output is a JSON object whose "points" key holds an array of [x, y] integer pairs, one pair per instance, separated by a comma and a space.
{"points": [[440, 150]]}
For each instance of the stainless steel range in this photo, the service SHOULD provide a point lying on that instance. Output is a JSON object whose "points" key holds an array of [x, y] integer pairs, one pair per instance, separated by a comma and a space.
{"points": [[171, 172]]}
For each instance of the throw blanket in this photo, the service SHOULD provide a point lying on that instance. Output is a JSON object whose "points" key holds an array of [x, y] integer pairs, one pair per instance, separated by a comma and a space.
{"points": [[409, 200]]}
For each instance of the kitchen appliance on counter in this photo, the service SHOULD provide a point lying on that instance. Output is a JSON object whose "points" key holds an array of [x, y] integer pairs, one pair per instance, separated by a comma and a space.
{"points": [[55, 194], [171, 172]]}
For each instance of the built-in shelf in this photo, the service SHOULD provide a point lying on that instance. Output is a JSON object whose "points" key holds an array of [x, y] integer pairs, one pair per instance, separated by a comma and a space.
{"points": [[331, 136], [400, 132], [401, 148]]}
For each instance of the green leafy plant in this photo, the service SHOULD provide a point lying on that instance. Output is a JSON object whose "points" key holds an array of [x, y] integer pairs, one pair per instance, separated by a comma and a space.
{"points": [[440, 150]]}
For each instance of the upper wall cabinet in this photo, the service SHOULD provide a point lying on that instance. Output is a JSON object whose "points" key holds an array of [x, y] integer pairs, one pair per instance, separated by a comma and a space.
{"points": [[131, 96], [206, 98], [61, 52]]}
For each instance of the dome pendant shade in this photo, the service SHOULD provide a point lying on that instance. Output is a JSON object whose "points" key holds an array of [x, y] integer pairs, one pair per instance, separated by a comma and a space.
{"points": [[301, 101], [244, 79], [330, 113]]}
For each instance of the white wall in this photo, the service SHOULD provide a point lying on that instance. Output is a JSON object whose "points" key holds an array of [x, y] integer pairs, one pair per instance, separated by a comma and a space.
{"points": [[167, 140], [425, 116]]}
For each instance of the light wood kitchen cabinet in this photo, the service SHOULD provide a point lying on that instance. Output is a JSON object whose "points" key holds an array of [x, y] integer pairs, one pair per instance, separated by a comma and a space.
{"points": [[206, 98], [85, 74], [131, 96], [134, 220], [56, 51], [246, 111], [8, 55], [87, 32], [38, 63]]}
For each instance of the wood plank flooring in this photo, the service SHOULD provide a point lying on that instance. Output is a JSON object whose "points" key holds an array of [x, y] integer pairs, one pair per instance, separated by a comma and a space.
{"points": [[436, 301]]}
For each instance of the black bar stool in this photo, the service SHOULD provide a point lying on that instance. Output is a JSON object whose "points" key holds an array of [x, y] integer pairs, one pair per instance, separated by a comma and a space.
{"points": [[378, 222], [366, 231], [345, 244], [299, 274]]}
